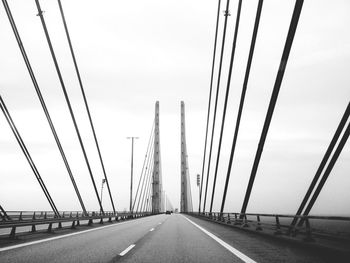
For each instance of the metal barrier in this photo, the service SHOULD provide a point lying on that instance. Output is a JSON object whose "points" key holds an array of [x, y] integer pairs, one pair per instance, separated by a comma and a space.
{"points": [[16, 219], [336, 228]]}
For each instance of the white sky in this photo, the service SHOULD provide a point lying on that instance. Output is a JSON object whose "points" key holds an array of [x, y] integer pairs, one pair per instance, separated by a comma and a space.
{"points": [[132, 53]]}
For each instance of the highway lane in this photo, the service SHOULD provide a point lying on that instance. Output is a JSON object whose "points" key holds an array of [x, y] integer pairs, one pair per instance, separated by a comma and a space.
{"points": [[95, 245], [160, 238], [270, 249], [163, 238], [178, 240]]}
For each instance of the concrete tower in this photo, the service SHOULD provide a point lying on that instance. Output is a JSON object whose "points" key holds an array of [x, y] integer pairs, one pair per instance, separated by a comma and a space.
{"points": [[186, 196], [157, 196]]}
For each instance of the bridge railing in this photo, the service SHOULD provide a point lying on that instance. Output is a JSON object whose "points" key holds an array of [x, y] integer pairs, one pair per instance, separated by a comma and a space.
{"points": [[15, 220], [306, 227]]}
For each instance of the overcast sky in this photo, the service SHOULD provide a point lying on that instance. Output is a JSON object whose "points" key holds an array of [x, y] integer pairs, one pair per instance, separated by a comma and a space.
{"points": [[133, 53]]}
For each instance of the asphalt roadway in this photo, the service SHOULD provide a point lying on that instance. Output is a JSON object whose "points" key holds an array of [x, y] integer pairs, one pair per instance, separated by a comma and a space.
{"points": [[160, 238]]}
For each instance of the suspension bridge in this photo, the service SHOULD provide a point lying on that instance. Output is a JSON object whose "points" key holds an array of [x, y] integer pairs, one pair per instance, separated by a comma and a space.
{"points": [[153, 229]]}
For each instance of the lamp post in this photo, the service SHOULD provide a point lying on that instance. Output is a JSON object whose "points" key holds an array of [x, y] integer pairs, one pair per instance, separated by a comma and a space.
{"points": [[199, 188], [132, 167], [103, 182]]}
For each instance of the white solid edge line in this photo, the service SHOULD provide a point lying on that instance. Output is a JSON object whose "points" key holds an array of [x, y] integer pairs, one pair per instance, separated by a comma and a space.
{"points": [[223, 243], [126, 250], [62, 236], [151, 229]]}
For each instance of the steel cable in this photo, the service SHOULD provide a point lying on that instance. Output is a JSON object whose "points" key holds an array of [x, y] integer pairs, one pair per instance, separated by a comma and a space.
{"points": [[85, 101], [27, 155], [241, 103], [226, 99], [323, 163], [40, 14], [283, 63], [145, 198], [330, 164], [143, 167], [216, 99], [144, 182], [42, 102], [209, 103], [145, 178]]}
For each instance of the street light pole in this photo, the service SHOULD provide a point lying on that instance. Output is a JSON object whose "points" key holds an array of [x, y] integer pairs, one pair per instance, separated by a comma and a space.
{"points": [[199, 189], [132, 167], [103, 182]]}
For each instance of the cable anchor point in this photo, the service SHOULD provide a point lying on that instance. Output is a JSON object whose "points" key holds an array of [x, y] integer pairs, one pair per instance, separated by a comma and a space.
{"points": [[40, 13]]}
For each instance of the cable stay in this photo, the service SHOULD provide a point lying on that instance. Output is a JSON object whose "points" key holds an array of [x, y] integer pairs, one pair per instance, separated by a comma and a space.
{"points": [[143, 166], [85, 100], [146, 174], [240, 110], [147, 171], [42, 102], [323, 163], [27, 155], [149, 162], [216, 99], [209, 103], [226, 99], [273, 100], [145, 177], [328, 169], [40, 14], [148, 189]]}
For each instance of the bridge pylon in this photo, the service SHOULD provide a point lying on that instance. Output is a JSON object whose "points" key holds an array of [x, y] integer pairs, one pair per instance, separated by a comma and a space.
{"points": [[186, 196], [157, 188]]}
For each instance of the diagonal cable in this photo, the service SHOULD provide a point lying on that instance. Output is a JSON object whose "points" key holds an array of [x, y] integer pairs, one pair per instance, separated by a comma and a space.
{"points": [[85, 101], [323, 163], [216, 99], [226, 99], [40, 14], [41, 99], [240, 110], [329, 168], [282, 67], [27, 155], [145, 177], [209, 103], [145, 198], [143, 166]]}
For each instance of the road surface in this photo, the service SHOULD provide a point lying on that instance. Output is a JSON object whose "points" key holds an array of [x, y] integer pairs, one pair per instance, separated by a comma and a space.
{"points": [[161, 238]]}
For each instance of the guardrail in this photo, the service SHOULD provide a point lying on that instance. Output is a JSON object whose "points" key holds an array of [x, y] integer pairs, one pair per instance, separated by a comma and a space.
{"points": [[15, 219], [334, 228]]}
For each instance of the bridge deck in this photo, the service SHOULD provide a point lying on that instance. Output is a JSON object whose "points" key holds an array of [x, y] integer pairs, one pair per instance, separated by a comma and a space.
{"points": [[161, 238]]}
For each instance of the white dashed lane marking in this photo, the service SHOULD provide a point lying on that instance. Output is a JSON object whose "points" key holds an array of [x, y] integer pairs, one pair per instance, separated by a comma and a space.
{"points": [[126, 250]]}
